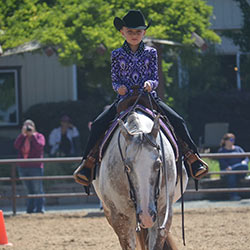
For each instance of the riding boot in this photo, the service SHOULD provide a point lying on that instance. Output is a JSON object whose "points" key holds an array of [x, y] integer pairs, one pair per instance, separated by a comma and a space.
{"points": [[84, 174], [197, 167]]}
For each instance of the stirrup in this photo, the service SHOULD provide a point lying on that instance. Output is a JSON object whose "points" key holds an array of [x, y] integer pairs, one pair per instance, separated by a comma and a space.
{"points": [[89, 164], [190, 158]]}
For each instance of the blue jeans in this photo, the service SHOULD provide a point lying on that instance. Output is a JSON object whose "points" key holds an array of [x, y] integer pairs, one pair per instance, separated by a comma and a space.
{"points": [[233, 179], [34, 205]]}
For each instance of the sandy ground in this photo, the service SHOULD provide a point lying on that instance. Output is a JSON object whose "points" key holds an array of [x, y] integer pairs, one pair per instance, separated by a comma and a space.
{"points": [[206, 229]]}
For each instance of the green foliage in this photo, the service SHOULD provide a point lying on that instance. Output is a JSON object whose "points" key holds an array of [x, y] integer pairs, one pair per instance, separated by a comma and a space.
{"points": [[213, 167], [83, 31]]}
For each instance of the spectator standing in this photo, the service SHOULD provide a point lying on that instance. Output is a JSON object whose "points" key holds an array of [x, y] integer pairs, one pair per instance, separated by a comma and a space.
{"points": [[65, 140], [30, 144], [230, 164]]}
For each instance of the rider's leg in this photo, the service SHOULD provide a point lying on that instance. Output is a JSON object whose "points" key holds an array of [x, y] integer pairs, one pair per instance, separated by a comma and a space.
{"points": [[189, 148], [83, 174]]}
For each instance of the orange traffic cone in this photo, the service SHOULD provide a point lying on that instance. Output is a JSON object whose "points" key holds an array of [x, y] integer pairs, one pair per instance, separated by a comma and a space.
{"points": [[3, 234]]}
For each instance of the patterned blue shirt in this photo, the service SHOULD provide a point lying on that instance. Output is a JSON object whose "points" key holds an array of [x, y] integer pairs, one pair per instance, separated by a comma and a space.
{"points": [[134, 68]]}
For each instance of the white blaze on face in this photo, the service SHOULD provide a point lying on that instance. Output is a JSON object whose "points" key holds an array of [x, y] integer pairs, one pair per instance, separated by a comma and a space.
{"points": [[143, 161], [143, 174], [145, 192]]}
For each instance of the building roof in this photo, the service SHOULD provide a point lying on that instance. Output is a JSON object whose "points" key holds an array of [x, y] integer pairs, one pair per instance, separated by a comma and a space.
{"points": [[26, 47]]}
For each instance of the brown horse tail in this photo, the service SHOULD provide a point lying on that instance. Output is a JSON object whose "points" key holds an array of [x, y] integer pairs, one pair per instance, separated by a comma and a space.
{"points": [[142, 239], [169, 243]]}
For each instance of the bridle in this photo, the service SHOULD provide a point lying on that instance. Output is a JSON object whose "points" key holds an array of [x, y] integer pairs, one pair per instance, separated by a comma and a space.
{"points": [[127, 170], [163, 168]]}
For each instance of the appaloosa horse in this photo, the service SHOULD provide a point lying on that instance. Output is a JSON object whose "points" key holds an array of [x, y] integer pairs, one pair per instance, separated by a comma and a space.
{"points": [[136, 191]]}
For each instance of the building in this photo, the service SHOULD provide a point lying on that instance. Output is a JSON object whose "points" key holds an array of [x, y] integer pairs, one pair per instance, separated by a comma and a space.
{"points": [[30, 75], [227, 16]]}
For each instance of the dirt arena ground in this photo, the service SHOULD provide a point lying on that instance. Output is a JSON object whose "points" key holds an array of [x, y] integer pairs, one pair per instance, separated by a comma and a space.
{"points": [[206, 229]]}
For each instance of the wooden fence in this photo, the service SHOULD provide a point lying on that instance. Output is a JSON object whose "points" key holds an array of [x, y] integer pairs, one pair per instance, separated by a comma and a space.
{"points": [[13, 178]]}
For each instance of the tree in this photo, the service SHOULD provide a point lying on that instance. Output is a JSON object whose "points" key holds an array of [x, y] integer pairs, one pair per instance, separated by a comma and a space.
{"points": [[83, 30]]}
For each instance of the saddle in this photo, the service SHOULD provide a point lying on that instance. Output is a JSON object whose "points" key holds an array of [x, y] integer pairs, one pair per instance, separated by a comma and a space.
{"points": [[125, 107], [124, 113], [131, 100]]}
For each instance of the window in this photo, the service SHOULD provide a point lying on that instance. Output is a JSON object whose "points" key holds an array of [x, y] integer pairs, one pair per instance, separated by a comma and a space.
{"points": [[9, 97]]}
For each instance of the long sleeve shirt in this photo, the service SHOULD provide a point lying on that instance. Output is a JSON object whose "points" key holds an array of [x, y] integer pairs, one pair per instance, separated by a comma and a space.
{"points": [[230, 162], [56, 136], [37, 143], [134, 68]]}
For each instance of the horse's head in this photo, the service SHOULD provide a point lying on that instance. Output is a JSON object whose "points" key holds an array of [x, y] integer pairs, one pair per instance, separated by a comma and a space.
{"points": [[142, 161]]}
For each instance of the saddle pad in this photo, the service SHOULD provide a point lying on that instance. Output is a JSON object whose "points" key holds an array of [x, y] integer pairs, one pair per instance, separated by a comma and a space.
{"points": [[164, 128]]}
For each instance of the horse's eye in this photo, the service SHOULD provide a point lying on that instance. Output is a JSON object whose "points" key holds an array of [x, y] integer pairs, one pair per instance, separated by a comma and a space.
{"points": [[157, 165], [128, 169]]}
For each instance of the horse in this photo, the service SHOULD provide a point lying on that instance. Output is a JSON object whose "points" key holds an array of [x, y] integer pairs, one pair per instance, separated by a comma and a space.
{"points": [[136, 191]]}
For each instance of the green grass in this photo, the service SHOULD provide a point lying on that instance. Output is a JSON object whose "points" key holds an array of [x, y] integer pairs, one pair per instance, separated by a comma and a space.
{"points": [[213, 167]]}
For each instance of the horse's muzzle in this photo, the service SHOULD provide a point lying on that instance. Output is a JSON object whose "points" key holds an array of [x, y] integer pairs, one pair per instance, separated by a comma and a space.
{"points": [[147, 218]]}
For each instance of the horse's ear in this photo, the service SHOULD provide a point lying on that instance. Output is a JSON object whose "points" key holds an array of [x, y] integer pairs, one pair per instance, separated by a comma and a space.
{"points": [[124, 130], [156, 126]]}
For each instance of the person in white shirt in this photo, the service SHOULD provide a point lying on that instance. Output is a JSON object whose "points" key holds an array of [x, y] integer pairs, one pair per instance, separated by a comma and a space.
{"points": [[64, 140]]}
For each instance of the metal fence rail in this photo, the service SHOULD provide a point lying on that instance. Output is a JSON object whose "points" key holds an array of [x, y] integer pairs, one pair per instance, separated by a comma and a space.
{"points": [[13, 179]]}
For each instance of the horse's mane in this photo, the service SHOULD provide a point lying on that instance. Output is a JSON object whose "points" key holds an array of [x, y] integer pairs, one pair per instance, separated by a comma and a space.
{"points": [[133, 122]]}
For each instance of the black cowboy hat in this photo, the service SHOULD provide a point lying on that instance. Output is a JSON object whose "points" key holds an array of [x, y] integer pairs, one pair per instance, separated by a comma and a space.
{"points": [[133, 20]]}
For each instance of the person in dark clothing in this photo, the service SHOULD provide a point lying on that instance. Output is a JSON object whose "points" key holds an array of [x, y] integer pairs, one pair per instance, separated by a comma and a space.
{"points": [[231, 164], [135, 64]]}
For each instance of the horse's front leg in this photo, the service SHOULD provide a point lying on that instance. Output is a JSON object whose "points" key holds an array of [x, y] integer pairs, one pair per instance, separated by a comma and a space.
{"points": [[162, 239], [157, 238], [124, 228]]}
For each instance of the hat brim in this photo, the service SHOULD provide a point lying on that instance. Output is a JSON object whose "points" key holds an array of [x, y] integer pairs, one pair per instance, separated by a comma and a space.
{"points": [[119, 23]]}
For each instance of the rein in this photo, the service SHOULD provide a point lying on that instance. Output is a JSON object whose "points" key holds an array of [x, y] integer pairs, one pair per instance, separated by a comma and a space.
{"points": [[163, 226], [157, 191], [179, 166], [131, 187], [127, 168]]}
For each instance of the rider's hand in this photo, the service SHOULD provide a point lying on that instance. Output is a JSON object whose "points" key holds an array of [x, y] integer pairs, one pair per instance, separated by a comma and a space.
{"points": [[122, 90], [147, 86]]}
